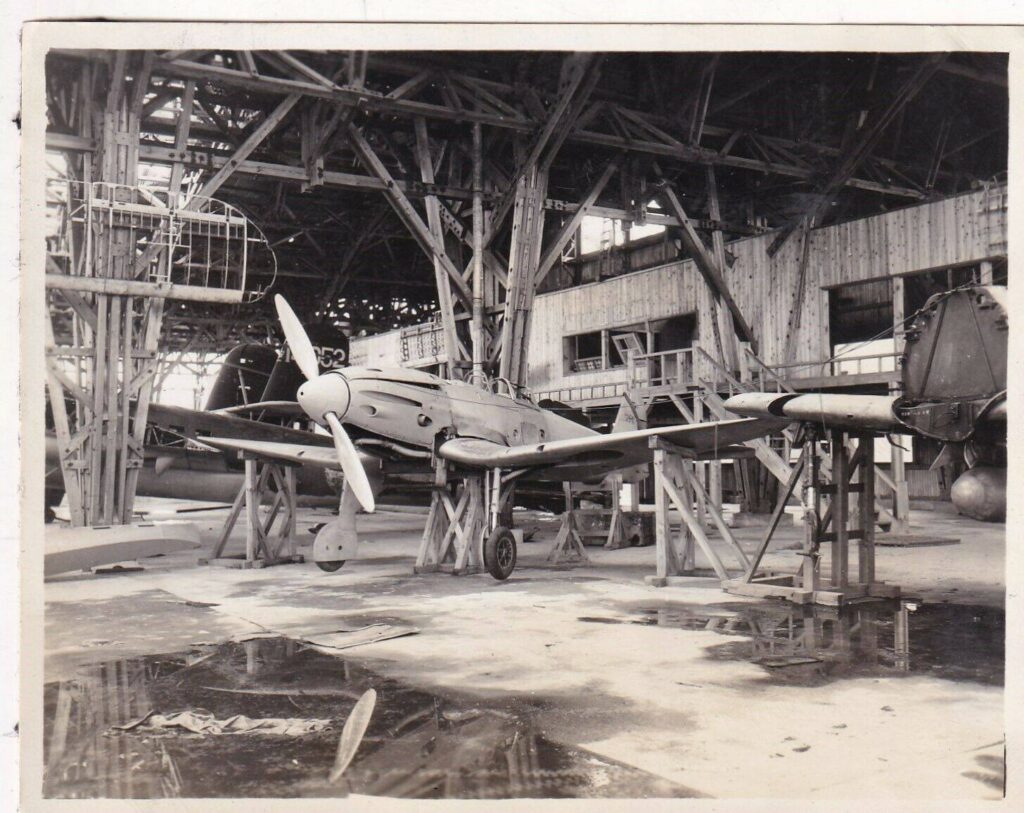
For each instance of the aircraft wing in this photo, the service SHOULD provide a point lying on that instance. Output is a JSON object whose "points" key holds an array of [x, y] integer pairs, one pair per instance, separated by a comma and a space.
{"points": [[193, 423], [706, 440], [834, 410], [290, 452]]}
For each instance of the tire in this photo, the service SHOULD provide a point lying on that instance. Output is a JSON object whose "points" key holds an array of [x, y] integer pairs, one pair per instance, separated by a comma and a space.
{"points": [[500, 553], [331, 567]]}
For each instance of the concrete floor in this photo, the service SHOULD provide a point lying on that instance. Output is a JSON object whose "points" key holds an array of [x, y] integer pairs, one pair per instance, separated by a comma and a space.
{"points": [[586, 646]]}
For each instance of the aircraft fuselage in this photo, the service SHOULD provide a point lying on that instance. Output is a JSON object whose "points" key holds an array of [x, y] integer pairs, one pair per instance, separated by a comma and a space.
{"points": [[412, 408]]}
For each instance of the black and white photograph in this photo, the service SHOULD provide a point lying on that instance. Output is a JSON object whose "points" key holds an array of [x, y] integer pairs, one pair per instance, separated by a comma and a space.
{"points": [[496, 414]]}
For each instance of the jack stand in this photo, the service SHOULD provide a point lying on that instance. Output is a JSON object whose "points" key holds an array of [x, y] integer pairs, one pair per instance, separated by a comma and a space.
{"points": [[338, 542], [569, 544], [262, 547], [453, 536], [676, 485], [807, 585]]}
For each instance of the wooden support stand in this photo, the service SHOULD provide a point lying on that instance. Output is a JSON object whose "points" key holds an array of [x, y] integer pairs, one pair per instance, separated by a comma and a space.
{"points": [[453, 537], [263, 545], [617, 536], [568, 545], [676, 485], [849, 517]]}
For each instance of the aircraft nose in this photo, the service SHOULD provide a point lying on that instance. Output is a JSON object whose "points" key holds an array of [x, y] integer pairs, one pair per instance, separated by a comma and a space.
{"points": [[323, 394]]}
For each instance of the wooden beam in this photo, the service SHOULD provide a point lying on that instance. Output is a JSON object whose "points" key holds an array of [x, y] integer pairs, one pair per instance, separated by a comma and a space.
{"points": [[343, 275], [411, 85], [861, 148], [443, 280], [244, 150], [556, 117], [304, 69], [406, 213], [730, 354], [131, 287], [706, 265], [245, 57], [987, 77], [380, 102], [569, 228]]}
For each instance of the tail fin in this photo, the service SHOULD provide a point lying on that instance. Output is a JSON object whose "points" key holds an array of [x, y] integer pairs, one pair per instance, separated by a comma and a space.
{"points": [[243, 376]]}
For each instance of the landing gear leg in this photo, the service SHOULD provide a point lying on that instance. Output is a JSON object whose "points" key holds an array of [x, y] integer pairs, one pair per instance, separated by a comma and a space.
{"points": [[337, 541], [500, 543]]}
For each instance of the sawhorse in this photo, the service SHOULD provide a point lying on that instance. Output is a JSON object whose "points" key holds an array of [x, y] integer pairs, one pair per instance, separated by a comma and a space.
{"points": [[676, 485], [263, 545]]}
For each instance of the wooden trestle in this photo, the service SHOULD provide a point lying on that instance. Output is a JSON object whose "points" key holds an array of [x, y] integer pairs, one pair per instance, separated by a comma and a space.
{"points": [[836, 514], [264, 546]]}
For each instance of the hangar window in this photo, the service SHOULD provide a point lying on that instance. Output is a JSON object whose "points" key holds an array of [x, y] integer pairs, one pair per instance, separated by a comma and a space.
{"points": [[859, 312], [599, 350], [583, 352]]}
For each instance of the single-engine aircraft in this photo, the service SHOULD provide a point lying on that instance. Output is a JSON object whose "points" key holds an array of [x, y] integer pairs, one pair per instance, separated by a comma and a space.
{"points": [[953, 374], [410, 413]]}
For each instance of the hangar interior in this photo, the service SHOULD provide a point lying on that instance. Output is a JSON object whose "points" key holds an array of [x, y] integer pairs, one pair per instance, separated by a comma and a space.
{"points": [[626, 241]]}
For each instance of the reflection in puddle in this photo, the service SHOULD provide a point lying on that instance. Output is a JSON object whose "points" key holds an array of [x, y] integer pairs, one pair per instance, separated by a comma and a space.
{"points": [[417, 745], [813, 644]]}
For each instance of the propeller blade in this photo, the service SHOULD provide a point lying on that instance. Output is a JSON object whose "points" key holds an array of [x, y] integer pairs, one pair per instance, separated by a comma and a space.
{"points": [[352, 733], [298, 341], [351, 465]]}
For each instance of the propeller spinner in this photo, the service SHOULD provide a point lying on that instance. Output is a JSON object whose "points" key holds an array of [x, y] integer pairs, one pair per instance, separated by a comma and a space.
{"points": [[322, 397]]}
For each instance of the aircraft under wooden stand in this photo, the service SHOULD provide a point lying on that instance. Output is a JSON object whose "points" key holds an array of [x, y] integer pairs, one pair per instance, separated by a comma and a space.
{"points": [[953, 373], [414, 414]]}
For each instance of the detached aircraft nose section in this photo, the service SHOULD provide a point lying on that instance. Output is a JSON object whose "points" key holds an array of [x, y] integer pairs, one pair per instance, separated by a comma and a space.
{"points": [[326, 393]]}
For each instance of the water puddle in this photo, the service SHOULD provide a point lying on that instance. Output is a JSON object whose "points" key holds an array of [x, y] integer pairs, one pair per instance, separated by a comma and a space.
{"points": [[417, 745], [811, 645]]}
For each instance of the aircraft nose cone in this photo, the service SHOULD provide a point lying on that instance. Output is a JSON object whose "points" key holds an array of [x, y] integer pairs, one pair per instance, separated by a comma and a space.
{"points": [[323, 394]]}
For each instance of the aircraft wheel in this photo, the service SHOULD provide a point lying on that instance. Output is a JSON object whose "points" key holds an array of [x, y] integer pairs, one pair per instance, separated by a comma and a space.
{"points": [[331, 567], [500, 553]]}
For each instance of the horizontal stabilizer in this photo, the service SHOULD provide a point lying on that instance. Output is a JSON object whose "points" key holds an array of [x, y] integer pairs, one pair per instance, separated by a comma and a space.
{"points": [[287, 409], [271, 450]]}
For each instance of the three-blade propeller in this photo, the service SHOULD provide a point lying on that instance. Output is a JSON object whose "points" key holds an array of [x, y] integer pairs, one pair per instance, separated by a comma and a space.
{"points": [[305, 357]]}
